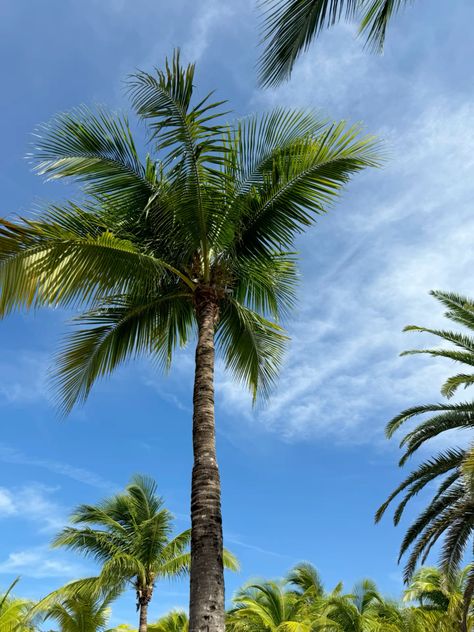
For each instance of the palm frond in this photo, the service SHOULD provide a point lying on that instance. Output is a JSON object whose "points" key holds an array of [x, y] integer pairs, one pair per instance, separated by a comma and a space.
{"points": [[289, 28], [252, 346]]}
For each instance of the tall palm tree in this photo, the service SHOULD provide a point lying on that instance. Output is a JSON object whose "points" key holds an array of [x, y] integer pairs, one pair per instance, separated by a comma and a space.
{"points": [[450, 513], [84, 610], [14, 612], [291, 25], [130, 535], [196, 240]]}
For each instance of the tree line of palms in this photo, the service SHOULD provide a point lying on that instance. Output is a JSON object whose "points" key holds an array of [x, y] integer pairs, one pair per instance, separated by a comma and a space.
{"points": [[432, 602], [130, 536]]}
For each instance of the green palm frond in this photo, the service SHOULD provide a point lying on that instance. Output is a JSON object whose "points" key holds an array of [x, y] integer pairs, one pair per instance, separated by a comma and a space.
{"points": [[126, 326], [289, 28], [304, 180], [97, 149], [252, 346], [375, 19]]}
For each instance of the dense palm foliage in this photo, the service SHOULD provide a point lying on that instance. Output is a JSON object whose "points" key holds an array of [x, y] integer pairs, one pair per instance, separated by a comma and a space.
{"points": [[291, 25], [450, 513], [14, 612], [130, 536], [442, 595], [299, 603], [196, 240]]}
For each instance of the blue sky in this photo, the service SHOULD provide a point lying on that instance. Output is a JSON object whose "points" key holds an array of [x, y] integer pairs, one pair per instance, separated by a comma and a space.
{"points": [[303, 475]]}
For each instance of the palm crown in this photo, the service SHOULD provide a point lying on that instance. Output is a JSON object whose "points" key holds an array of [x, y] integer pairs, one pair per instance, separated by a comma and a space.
{"points": [[217, 213], [130, 536]]}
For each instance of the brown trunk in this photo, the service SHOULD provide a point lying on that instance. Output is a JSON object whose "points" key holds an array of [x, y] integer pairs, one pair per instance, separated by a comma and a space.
{"points": [[144, 595], [206, 606], [143, 623]]}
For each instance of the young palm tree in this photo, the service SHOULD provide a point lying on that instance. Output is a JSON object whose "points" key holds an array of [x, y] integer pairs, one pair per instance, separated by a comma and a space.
{"points": [[130, 535], [291, 25], [14, 612], [197, 239], [85, 610], [451, 510]]}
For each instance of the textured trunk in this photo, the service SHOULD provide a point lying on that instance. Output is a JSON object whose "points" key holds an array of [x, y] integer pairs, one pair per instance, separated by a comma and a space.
{"points": [[143, 623], [206, 607]]}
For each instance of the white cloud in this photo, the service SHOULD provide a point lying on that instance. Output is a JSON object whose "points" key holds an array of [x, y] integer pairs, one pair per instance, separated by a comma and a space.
{"points": [[23, 378], [40, 563], [33, 503]]}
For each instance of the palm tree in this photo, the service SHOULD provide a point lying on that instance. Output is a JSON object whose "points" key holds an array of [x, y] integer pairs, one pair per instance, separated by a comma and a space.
{"points": [[196, 240], [437, 592], [14, 612], [130, 535], [83, 610], [451, 510], [268, 606], [291, 25]]}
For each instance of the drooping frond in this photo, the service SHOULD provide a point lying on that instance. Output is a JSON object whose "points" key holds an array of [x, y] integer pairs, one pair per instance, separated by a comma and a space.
{"points": [[67, 258], [125, 327], [289, 28], [375, 19], [252, 346]]}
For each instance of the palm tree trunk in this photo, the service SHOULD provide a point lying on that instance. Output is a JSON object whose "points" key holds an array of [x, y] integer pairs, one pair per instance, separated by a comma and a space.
{"points": [[143, 621], [206, 606]]}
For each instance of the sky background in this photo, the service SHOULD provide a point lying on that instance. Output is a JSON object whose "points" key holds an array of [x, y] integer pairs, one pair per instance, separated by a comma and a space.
{"points": [[303, 475]]}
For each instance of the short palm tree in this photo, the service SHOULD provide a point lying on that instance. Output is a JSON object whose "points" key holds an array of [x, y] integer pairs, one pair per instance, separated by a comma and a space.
{"points": [[451, 510], [130, 535], [197, 240], [84, 610], [14, 612], [291, 25]]}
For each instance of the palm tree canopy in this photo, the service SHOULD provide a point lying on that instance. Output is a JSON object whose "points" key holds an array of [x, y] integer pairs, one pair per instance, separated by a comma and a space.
{"points": [[129, 534], [450, 513], [215, 208], [291, 25]]}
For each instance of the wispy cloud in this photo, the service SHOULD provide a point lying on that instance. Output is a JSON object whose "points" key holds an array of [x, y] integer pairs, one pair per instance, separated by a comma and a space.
{"points": [[12, 455], [343, 374], [41, 563], [240, 542], [32, 503]]}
